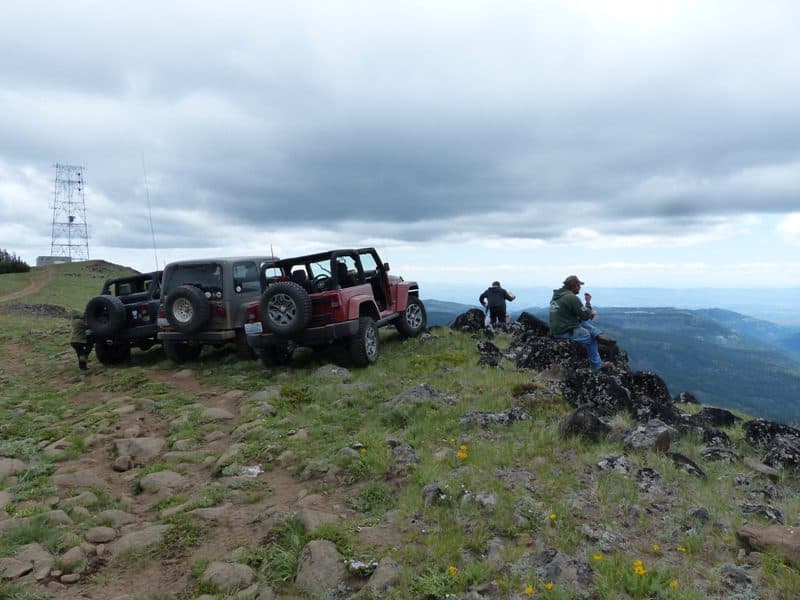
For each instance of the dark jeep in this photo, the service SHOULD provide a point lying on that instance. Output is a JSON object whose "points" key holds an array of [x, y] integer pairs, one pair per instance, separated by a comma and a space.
{"points": [[338, 296], [203, 303], [124, 316]]}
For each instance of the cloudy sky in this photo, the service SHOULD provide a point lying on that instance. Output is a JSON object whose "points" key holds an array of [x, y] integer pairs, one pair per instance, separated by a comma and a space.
{"points": [[633, 143]]}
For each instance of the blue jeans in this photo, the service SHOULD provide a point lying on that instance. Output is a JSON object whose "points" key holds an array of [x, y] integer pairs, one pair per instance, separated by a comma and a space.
{"points": [[585, 334]]}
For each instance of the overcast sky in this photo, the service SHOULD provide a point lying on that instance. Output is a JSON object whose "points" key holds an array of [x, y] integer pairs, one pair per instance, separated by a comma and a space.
{"points": [[633, 143]]}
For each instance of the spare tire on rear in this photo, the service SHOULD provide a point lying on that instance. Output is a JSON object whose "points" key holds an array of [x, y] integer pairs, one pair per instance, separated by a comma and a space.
{"points": [[105, 315], [187, 308], [285, 308]]}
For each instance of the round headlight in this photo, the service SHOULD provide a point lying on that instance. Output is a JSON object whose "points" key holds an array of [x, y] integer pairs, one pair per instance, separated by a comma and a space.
{"points": [[208, 295], [218, 295]]}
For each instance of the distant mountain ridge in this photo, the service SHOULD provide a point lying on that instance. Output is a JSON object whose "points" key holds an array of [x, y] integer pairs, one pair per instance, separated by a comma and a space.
{"points": [[725, 358]]}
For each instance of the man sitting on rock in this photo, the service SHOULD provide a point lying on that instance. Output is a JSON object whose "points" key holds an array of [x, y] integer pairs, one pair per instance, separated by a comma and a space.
{"points": [[494, 298], [569, 319]]}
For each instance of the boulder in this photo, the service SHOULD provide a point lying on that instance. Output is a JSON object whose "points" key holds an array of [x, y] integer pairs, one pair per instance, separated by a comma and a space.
{"points": [[647, 383], [584, 423], [228, 577], [490, 355], [603, 393], [404, 459], [470, 321], [685, 398], [485, 419], [713, 417], [138, 540], [320, 568], [780, 539], [533, 324], [765, 510], [421, 394], [10, 466], [386, 576], [760, 432], [141, 450], [654, 434], [154, 483], [687, 464], [783, 452]]}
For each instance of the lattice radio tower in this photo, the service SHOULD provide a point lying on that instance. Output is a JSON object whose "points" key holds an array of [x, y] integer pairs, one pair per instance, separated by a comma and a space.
{"points": [[70, 231]]}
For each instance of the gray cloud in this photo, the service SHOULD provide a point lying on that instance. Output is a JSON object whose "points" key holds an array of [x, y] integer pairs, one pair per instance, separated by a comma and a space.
{"points": [[514, 117]]}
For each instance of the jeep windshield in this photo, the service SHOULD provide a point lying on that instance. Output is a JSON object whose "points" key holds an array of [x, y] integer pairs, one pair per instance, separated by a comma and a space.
{"points": [[207, 277]]}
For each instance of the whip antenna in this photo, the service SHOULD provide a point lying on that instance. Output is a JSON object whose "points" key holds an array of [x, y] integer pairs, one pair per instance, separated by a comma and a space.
{"points": [[149, 212]]}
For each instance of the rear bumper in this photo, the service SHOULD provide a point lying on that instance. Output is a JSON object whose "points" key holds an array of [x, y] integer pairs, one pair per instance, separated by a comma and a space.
{"points": [[224, 335], [131, 335], [312, 336]]}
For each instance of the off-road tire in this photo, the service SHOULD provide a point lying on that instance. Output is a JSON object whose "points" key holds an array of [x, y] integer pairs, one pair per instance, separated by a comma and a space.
{"points": [[105, 315], [285, 308], [365, 345], [179, 352], [188, 310], [112, 354], [276, 356], [413, 320], [243, 349]]}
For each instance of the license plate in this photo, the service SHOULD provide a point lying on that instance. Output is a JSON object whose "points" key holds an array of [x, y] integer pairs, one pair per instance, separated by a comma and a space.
{"points": [[253, 328], [162, 322]]}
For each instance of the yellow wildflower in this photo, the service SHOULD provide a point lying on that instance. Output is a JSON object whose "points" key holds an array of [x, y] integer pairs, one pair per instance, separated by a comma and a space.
{"points": [[463, 447], [673, 584], [552, 516], [452, 570], [597, 557], [680, 549], [529, 591], [462, 454], [638, 567], [548, 586], [362, 450], [656, 548]]}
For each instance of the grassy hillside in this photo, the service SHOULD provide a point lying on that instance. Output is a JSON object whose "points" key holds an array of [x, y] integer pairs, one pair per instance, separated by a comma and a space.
{"points": [[365, 459]]}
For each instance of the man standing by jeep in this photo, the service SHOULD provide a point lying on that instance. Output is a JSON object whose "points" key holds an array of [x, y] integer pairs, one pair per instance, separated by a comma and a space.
{"points": [[569, 319], [494, 298], [80, 341]]}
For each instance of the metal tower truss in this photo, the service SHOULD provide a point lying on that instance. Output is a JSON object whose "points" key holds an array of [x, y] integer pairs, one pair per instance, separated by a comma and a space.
{"points": [[70, 231]]}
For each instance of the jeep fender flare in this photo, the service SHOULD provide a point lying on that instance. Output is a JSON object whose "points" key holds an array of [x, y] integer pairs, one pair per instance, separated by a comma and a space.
{"points": [[363, 305], [403, 291]]}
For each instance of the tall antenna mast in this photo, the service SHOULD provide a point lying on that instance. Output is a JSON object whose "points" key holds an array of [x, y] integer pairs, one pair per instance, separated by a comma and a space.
{"points": [[70, 232], [149, 212]]}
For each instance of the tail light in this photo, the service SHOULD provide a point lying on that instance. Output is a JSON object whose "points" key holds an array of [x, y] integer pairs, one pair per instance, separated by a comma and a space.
{"points": [[162, 311], [220, 311], [144, 311], [252, 314]]}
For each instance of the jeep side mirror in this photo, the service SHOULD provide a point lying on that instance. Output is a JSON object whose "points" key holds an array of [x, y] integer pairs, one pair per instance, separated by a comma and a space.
{"points": [[385, 266]]}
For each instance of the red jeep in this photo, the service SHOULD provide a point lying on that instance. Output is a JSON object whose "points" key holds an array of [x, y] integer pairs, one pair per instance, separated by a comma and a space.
{"points": [[338, 296]]}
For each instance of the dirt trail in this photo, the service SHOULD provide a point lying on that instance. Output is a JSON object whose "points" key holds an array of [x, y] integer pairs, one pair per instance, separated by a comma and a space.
{"points": [[39, 280]]}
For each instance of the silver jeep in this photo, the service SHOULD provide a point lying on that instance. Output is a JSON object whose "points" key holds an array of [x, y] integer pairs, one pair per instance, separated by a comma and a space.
{"points": [[203, 302]]}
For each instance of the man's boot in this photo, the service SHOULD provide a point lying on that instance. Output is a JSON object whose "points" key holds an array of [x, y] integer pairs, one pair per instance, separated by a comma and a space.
{"points": [[82, 363]]}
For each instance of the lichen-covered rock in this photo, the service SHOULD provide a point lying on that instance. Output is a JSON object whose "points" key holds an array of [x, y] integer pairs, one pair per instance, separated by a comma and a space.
{"points": [[760, 432], [713, 417], [533, 324], [506, 417], [320, 568], [654, 434], [603, 393], [687, 464], [490, 355], [470, 321], [783, 452], [584, 423]]}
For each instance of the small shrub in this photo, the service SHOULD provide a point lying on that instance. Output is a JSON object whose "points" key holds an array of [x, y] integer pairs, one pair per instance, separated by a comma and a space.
{"points": [[373, 497]]}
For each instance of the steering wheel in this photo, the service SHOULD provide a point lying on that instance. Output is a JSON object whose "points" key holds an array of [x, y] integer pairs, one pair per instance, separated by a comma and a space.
{"points": [[320, 282]]}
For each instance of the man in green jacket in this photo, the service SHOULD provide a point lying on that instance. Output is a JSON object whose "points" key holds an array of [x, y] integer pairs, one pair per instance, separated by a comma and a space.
{"points": [[570, 319], [80, 341]]}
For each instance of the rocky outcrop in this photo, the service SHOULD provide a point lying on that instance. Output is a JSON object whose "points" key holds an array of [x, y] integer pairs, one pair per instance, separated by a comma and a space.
{"points": [[784, 541], [470, 321]]}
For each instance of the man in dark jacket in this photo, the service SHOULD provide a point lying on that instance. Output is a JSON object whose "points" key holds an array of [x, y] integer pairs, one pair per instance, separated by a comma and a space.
{"points": [[569, 319], [494, 298], [80, 341]]}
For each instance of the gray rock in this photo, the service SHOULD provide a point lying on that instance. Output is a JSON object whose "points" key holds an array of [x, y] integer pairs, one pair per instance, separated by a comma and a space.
{"points": [[217, 414], [620, 464], [11, 568], [229, 455], [422, 394], [73, 560], [769, 512], [117, 518], [404, 460], [83, 499], [10, 466], [228, 577], [783, 540], [138, 540], [654, 434], [506, 417], [79, 479], [154, 483], [141, 450], [434, 493], [333, 371], [583, 422], [122, 463], [320, 567], [101, 535], [385, 577]]}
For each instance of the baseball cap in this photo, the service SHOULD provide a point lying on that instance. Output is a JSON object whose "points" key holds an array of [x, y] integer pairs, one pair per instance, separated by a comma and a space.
{"points": [[572, 279]]}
